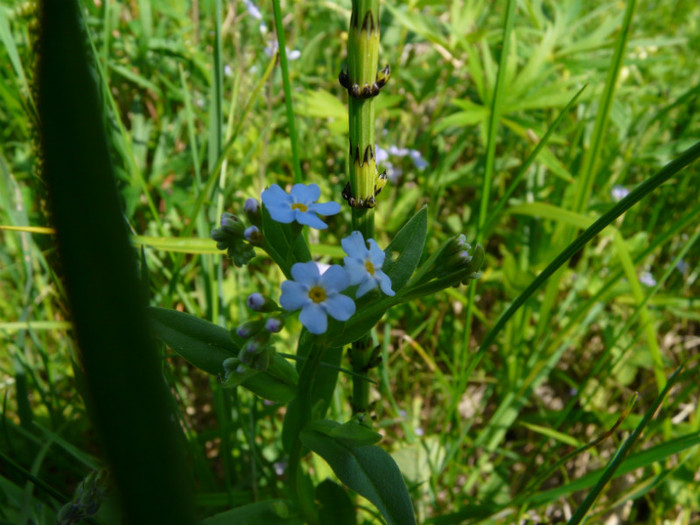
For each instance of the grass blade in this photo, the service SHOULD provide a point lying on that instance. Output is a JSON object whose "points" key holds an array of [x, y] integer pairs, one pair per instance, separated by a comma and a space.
{"points": [[668, 171], [612, 467]]}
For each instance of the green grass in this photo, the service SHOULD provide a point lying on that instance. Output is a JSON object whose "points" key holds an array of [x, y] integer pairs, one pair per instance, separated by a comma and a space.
{"points": [[506, 401]]}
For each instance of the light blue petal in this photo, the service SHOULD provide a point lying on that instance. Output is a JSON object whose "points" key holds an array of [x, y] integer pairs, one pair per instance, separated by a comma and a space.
{"points": [[314, 318], [306, 273], [354, 245], [306, 193], [275, 195], [376, 254], [325, 208], [368, 284], [281, 213], [339, 307], [309, 219], [294, 295], [384, 282], [356, 269], [335, 279]]}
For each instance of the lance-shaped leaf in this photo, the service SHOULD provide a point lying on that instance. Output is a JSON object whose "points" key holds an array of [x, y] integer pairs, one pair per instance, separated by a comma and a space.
{"points": [[369, 471]]}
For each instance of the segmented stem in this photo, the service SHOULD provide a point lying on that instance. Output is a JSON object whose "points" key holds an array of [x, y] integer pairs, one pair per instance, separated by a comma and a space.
{"points": [[363, 83]]}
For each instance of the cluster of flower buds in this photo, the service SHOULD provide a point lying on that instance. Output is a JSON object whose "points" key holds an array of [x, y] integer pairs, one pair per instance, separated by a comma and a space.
{"points": [[87, 499], [237, 239], [455, 262], [257, 351], [460, 258]]}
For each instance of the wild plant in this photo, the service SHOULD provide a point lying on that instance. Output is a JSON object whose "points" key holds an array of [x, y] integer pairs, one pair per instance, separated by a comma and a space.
{"points": [[337, 305]]}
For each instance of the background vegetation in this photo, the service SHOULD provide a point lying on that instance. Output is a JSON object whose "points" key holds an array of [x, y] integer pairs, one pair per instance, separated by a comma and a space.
{"points": [[499, 433]]}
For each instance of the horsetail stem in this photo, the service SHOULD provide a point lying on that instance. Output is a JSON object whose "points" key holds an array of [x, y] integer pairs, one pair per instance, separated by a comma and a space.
{"points": [[363, 83]]}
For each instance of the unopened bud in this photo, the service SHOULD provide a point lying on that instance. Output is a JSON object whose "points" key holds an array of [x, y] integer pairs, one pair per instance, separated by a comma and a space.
{"points": [[253, 235], [252, 210], [249, 329], [258, 303], [273, 325], [255, 301]]}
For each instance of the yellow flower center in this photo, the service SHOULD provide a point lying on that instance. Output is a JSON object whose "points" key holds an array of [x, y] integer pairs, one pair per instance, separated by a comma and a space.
{"points": [[369, 267], [317, 294], [299, 206]]}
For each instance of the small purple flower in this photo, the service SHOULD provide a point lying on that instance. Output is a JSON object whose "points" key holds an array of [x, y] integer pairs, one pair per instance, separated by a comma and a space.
{"points": [[365, 265], [418, 160], [299, 205], [647, 279], [255, 301], [317, 295], [252, 9], [619, 192]]}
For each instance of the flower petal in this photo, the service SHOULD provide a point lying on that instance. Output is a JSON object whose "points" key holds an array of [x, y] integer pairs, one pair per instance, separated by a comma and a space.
{"points": [[335, 279], [275, 195], [309, 219], [354, 245], [294, 295], [339, 306], [356, 269], [325, 208], [314, 318], [368, 284], [384, 282], [306, 193], [376, 254], [306, 273], [280, 213]]}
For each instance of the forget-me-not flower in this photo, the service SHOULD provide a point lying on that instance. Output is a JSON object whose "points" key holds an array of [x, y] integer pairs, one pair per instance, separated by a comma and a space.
{"points": [[300, 205], [317, 295], [365, 265]]}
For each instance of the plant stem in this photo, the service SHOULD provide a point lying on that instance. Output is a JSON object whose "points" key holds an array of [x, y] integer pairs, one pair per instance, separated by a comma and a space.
{"points": [[362, 83], [306, 382]]}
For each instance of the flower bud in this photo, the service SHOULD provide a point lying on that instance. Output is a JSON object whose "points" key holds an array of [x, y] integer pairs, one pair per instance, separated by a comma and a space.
{"points": [[253, 235], [273, 325], [249, 329], [255, 301], [258, 303], [252, 210]]}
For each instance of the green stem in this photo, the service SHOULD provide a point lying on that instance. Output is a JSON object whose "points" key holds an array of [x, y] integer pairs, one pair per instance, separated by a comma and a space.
{"points": [[361, 81], [306, 381], [298, 177]]}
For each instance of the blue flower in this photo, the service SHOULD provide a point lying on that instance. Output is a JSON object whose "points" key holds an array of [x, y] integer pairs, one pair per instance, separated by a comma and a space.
{"points": [[365, 265], [299, 205], [317, 295]]}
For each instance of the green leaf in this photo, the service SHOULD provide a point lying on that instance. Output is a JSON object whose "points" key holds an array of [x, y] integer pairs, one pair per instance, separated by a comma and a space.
{"points": [[336, 506], [404, 252], [206, 345], [369, 471], [271, 512], [200, 342], [351, 433]]}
